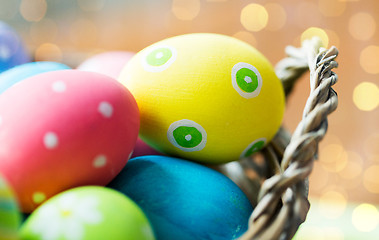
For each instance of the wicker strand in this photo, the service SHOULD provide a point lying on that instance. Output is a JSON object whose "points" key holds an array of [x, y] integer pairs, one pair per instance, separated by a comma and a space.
{"points": [[283, 201]]}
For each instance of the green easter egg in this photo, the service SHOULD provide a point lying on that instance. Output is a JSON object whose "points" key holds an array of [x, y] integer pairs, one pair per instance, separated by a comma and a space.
{"points": [[88, 213], [10, 217]]}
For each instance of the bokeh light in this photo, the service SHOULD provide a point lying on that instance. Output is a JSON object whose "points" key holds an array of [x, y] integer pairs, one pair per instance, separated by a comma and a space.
{"points": [[353, 168], [315, 32], [277, 16], [91, 5], [254, 17], [366, 96], [246, 37], [48, 52], [331, 8], [371, 145], [186, 9], [44, 30], [33, 10], [369, 59], [371, 179], [365, 217], [333, 158], [362, 26], [332, 204], [84, 33]]}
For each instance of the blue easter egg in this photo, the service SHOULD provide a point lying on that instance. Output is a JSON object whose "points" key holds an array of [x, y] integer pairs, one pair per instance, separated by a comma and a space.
{"points": [[12, 51], [16, 74], [185, 200]]}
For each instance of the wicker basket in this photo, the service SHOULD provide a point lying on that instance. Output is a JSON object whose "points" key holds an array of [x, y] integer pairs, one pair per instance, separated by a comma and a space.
{"points": [[276, 179]]}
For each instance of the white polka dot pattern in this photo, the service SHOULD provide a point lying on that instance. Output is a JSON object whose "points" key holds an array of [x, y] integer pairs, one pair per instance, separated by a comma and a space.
{"points": [[59, 86], [105, 109], [100, 161], [50, 140]]}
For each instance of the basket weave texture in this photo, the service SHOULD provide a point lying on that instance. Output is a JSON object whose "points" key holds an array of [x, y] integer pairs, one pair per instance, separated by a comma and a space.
{"points": [[282, 202]]}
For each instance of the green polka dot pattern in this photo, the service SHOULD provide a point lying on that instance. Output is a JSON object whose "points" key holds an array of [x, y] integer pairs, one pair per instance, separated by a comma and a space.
{"points": [[159, 57], [247, 80], [255, 148], [187, 137]]}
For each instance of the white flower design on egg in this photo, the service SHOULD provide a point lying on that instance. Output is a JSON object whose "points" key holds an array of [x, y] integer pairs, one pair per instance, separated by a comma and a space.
{"points": [[67, 218]]}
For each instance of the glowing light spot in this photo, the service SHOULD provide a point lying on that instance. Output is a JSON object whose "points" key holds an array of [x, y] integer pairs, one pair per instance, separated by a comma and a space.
{"points": [[333, 37], [314, 31], [246, 37], [369, 59], [366, 96], [33, 10], [332, 204], [254, 17], [371, 179], [333, 158], [331, 8], [48, 52], [277, 16], [186, 9], [91, 5], [362, 26], [43, 31], [84, 33], [319, 178], [353, 168], [365, 217], [371, 145], [39, 197]]}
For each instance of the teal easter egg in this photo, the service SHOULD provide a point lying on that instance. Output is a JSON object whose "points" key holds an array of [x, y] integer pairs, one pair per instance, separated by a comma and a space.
{"points": [[10, 217], [16, 74], [185, 200], [87, 213]]}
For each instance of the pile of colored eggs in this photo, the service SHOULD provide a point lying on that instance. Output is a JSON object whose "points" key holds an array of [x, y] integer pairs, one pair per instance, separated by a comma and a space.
{"points": [[66, 137]]}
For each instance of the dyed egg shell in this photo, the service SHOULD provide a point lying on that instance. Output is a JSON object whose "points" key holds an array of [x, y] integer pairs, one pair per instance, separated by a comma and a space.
{"points": [[206, 97], [64, 129], [142, 149], [184, 200], [108, 63], [10, 217], [88, 213], [16, 74], [12, 51]]}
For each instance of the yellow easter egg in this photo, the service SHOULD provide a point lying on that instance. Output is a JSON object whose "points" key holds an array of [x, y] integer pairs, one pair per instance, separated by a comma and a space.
{"points": [[205, 97]]}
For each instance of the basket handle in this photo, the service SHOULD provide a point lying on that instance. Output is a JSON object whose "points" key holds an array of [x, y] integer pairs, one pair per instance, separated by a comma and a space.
{"points": [[283, 198]]}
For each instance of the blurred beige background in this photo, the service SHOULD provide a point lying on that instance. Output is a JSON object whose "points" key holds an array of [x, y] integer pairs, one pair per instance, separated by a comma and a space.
{"points": [[345, 181]]}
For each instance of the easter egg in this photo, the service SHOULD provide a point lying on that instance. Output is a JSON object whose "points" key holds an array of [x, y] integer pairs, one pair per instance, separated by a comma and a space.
{"points": [[88, 213], [10, 217], [142, 149], [63, 129], [205, 97], [108, 63], [184, 200], [12, 51], [18, 73]]}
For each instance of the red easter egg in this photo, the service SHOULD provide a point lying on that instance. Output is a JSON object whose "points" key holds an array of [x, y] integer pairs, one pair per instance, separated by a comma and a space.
{"points": [[64, 129]]}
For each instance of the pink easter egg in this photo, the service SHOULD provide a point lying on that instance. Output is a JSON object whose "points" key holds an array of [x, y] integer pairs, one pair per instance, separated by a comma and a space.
{"points": [[108, 63], [64, 129]]}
